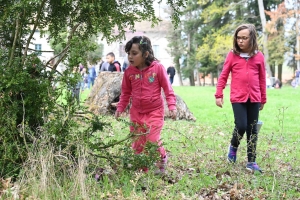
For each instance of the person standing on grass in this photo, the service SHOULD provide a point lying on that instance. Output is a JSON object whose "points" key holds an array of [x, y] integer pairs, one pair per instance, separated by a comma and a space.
{"points": [[84, 82], [142, 82], [114, 66], [297, 75], [91, 76], [76, 89], [247, 90], [171, 72]]}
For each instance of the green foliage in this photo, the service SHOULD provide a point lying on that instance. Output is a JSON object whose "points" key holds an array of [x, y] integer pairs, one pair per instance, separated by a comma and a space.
{"points": [[213, 52], [81, 50], [131, 161], [176, 46], [94, 56], [24, 103], [277, 48]]}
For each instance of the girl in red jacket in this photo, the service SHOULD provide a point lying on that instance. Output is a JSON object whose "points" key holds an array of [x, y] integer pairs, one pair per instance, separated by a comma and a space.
{"points": [[142, 82], [247, 90]]}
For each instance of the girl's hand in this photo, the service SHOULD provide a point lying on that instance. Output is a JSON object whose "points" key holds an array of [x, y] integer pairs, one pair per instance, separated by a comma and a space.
{"points": [[173, 114], [219, 102], [261, 106], [117, 114]]}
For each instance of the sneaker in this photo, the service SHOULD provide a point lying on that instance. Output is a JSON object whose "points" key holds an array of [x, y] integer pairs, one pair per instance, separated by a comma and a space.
{"points": [[162, 165], [253, 167], [231, 157]]}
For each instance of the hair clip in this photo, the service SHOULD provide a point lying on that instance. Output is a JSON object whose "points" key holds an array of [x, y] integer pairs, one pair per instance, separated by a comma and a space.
{"points": [[141, 42]]}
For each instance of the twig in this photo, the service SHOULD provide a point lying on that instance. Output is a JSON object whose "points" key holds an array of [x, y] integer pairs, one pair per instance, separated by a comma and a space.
{"points": [[11, 57], [23, 123], [274, 181], [120, 141]]}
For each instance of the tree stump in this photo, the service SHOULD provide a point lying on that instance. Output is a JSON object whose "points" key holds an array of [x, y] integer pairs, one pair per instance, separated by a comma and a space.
{"points": [[106, 91]]}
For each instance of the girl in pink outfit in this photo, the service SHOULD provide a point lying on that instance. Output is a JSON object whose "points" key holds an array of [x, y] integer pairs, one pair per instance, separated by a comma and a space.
{"points": [[247, 90], [142, 82]]}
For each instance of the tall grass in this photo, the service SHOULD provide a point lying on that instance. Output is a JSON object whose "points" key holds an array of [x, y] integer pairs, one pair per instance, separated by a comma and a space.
{"points": [[197, 167]]}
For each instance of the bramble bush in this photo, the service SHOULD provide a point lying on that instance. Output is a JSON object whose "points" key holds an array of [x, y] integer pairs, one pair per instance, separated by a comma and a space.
{"points": [[35, 114]]}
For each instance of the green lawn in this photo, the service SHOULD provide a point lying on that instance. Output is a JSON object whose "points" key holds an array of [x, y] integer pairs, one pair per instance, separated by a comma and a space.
{"points": [[197, 167], [282, 106], [198, 149]]}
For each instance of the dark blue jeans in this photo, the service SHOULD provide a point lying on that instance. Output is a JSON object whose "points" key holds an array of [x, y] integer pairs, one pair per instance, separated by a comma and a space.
{"points": [[171, 79], [245, 119], [90, 82]]}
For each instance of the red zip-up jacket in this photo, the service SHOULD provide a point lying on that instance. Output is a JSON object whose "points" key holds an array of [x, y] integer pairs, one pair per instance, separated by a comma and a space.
{"points": [[248, 78], [144, 87]]}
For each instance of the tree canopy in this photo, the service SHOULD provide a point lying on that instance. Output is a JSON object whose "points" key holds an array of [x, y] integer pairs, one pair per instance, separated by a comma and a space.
{"points": [[211, 24]]}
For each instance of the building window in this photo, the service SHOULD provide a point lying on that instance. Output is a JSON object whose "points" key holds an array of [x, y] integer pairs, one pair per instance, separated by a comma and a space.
{"points": [[122, 52], [156, 50], [38, 49]]}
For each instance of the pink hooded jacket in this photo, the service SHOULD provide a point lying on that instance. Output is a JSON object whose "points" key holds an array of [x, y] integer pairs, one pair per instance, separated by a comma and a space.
{"points": [[248, 78], [144, 87]]}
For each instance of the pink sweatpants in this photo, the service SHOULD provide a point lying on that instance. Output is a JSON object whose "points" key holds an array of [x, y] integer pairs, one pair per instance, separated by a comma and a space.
{"points": [[152, 123]]}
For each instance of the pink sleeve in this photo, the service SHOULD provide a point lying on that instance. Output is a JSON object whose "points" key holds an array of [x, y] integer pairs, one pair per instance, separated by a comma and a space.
{"points": [[262, 82], [224, 76], [125, 93], [168, 90]]}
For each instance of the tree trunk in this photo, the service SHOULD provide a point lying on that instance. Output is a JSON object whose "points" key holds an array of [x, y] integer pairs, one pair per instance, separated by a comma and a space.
{"points": [[180, 78], [272, 68], [212, 79], [198, 77], [192, 78], [106, 91], [279, 74], [178, 71], [204, 75], [265, 35]]}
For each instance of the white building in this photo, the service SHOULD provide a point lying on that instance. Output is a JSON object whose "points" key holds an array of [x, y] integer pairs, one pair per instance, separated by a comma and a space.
{"points": [[41, 44], [157, 35]]}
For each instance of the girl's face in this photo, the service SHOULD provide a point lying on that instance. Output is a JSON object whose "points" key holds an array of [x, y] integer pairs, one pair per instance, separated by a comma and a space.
{"points": [[136, 58], [242, 39]]}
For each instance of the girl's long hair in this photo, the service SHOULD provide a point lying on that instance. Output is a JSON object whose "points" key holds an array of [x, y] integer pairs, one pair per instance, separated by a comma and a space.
{"points": [[144, 45], [252, 39]]}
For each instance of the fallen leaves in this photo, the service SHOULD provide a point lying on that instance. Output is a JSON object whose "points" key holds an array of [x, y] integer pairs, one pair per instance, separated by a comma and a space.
{"points": [[230, 192], [6, 187]]}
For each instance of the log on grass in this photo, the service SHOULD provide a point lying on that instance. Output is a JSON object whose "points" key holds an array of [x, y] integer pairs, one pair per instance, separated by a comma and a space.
{"points": [[106, 91]]}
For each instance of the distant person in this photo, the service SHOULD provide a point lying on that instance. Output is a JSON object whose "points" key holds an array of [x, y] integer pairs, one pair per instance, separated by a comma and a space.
{"points": [[297, 75], [171, 72], [76, 89], [80, 67], [142, 83], [247, 91], [91, 76], [104, 66], [277, 84], [114, 66], [84, 79], [125, 64], [100, 65]]}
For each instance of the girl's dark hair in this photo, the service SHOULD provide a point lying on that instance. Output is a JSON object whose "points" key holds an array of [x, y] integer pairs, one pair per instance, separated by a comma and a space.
{"points": [[252, 39], [144, 45]]}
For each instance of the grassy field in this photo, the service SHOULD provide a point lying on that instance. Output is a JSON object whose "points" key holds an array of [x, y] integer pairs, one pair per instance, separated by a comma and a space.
{"points": [[197, 167]]}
